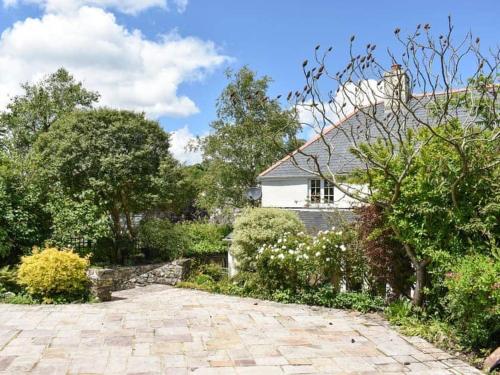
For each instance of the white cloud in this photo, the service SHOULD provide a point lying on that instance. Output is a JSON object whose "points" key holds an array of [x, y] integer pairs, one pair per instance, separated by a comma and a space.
{"points": [[125, 6], [128, 70], [350, 96], [181, 5], [180, 140]]}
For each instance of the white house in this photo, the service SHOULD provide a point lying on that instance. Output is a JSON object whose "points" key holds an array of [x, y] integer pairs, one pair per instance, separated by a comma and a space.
{"points": [[292, 183]]}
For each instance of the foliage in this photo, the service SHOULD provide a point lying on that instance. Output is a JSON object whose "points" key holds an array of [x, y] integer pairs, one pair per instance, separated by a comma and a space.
{"points": [[80, 218], [18, 299], [287, 263], [161, 239], [203, 238], [23, 221], [386, 258], [41, 104], [412, 322], [8, 279], [53, 274], [247, 285], [186, 205], [473, 300], [249, 135], [255, 227], [297, 261], [120, 156]]}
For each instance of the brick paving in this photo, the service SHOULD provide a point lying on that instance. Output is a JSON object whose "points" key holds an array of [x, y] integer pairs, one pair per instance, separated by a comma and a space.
{"points": [[163, 330]]}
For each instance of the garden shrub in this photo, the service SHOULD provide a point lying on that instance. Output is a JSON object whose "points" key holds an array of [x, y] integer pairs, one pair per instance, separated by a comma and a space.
{"points": [[54, 275], [203, 238], [161, 240], [255, 227], [385, 256], [473, 300], [286, 264], [8, 280], [215, 271], [299, 261]]}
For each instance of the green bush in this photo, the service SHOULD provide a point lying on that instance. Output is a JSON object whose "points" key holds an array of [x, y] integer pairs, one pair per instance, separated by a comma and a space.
{"points": [[299, 261], [473, 300], [413, 321], [8, 280], [215, 271], [288, 263], [357, 301], [54, 275], [256, 227], [160, 239], [204, 238]]}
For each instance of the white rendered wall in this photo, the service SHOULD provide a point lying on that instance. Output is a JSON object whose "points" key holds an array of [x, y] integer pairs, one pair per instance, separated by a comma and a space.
{"points": [[294, 193], [289, 192]]}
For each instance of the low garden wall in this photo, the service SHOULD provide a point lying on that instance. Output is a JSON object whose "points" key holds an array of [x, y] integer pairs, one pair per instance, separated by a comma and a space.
{"points": [[107, 280]]}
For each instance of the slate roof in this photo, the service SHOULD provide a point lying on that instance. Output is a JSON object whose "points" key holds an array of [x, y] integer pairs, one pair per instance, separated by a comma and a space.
{"points": [[318, 220], [339, 138]]}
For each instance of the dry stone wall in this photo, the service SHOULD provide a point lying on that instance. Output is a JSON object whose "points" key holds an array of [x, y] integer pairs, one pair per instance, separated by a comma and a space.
{"points": [[106, 280]]}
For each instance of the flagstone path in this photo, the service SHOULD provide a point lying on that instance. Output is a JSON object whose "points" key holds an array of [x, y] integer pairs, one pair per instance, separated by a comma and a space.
{"points": [[163, 330]]}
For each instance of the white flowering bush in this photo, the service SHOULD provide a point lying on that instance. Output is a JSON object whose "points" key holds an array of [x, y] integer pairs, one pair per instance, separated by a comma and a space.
{"points": [[255, 227], [297, 261]]}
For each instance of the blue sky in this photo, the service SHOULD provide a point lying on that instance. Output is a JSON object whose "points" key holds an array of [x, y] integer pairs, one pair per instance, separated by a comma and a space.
{"points": [[271, 37]]}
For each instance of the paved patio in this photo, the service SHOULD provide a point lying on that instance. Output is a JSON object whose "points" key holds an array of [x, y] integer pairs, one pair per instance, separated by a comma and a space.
{"points": [[163, 330]]}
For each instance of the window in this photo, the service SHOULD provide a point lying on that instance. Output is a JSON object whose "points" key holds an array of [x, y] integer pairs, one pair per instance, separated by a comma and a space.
{"points": [[327, 192], [315, 192]]}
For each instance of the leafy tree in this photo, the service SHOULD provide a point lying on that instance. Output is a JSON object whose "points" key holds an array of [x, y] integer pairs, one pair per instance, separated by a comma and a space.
{"points": [[79, 217], [23, 222], [249, 135], [118, 159], [186, 205], [41, 105]]}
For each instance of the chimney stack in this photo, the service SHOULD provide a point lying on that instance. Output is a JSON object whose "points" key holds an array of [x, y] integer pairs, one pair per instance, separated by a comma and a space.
{"points": [[396, 88]]}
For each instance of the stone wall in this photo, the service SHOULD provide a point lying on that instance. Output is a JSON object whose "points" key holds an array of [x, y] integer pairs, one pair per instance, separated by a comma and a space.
{"points": [[107, 280]]}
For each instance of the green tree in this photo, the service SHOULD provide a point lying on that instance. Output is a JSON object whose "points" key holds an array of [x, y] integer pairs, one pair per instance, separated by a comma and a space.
{"points": [[23, 221], [118, 158], [249, 135], [41, 104]]}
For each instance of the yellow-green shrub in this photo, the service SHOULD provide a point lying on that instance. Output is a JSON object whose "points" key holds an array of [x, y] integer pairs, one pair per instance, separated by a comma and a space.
{"points": [[54, 274]]}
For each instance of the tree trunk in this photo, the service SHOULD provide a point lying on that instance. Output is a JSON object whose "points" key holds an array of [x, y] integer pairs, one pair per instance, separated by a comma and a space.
{"points": [[420, 270], [130, 225], [115, 216], [418, 295]]}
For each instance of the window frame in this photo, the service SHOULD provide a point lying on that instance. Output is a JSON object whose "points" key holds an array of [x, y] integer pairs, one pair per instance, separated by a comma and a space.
{"points": [[328, 186], [320, 197], [317, 196]]}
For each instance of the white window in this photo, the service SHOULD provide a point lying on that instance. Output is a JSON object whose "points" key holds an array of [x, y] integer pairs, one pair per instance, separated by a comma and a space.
{"points": [[327, 192], [315, 191], [321, 191]]}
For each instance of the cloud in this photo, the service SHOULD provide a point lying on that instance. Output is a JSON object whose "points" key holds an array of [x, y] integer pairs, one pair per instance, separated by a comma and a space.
{"points": [[180, 139], [124, 6], [181, 5], [350, 96], [128, 70]]}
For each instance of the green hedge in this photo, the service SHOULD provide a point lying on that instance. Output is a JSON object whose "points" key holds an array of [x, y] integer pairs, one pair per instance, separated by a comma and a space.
{"points": [[202, 238]]}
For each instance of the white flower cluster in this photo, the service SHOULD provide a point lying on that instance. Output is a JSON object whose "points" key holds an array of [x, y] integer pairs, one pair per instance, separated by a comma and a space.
{"points": [[302, 247]]}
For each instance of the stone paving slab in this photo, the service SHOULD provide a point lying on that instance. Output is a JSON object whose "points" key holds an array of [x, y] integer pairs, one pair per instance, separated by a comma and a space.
{"points": [[163, 330]]}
